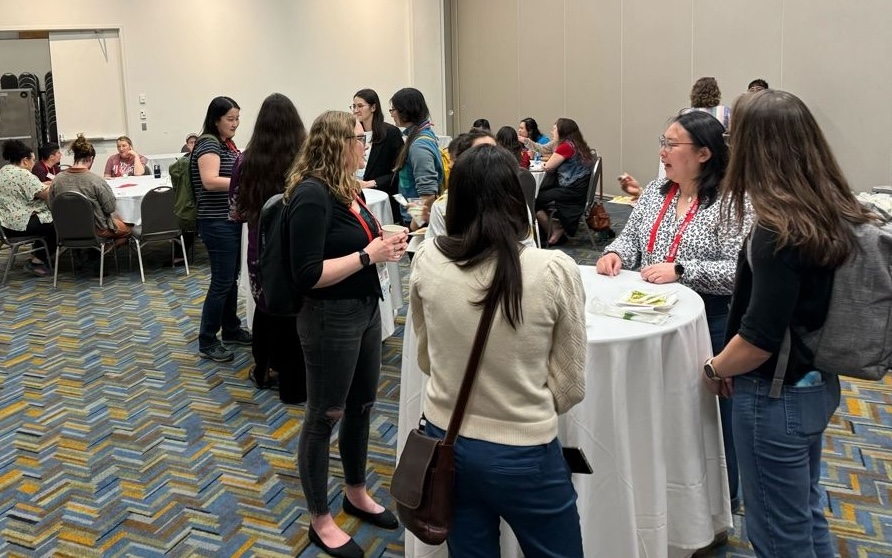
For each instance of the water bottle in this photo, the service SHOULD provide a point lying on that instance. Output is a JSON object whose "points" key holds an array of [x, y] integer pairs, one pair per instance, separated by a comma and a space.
{"points": [[537, 157], [157, 171]]}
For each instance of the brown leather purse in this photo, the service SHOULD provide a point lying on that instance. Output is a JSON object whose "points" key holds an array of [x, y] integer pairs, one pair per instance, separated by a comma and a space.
{"points": [[422, 483], [598, 219]]}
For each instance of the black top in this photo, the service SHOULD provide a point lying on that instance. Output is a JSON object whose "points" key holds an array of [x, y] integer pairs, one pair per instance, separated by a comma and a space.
{"points": [[382, 159], [778, 291], [322, 228]]}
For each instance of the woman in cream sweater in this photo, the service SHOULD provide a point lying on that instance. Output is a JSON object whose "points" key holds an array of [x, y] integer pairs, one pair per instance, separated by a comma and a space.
{"points": [[509, 462]]}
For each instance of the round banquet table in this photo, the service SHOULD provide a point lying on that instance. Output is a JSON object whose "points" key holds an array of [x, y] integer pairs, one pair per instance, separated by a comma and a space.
{"points": [[393, 295], [648, 426], [129, 192]]}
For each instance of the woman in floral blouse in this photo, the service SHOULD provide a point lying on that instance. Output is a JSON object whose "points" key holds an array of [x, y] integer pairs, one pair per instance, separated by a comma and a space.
{"points": [[675, 233], [23, 208]]}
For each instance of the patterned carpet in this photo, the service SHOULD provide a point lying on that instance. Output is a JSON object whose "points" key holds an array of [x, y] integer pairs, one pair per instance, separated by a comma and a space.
{"points": [[118, 441]]}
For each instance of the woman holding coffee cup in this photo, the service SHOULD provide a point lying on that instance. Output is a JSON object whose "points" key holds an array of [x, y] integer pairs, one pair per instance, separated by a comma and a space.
{"points": [[335, 242]]}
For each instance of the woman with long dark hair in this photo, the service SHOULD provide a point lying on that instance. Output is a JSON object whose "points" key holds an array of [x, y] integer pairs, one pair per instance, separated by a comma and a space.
{"points": [[387, 142], [507, 137], [210, 169], [805, 209], [532, 369], [336, 242], [259, 174], [569, 169], [419, 164]]}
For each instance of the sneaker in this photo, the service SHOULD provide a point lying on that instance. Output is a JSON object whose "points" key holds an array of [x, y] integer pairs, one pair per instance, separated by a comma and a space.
{"points": [[37, 269], [242, 337], [217, 353]]}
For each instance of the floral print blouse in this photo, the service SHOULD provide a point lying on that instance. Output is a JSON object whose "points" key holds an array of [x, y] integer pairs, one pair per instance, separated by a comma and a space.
{"points": [[17, 202]]}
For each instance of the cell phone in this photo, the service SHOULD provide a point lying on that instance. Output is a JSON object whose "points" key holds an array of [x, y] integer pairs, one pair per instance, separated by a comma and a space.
{"points": [[576, 460]]}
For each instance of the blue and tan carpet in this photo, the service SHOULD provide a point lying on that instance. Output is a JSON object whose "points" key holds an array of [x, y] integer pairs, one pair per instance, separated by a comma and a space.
{"points": [[116, 440]]}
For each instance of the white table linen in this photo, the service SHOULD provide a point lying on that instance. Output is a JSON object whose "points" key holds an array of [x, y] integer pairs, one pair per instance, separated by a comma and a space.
{"points": [[648, 426], [129, 192], [393, 299]]}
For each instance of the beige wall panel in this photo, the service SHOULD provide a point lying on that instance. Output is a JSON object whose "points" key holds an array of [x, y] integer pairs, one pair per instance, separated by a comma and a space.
{"points": [[594, 76], [542, 47], [656, 58], [737, 41], [844, 74], [488, 55]]}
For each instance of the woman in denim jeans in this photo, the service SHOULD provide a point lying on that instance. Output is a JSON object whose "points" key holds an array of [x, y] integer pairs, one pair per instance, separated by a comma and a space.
{"points": [[803, 206], [210, 169], [509, 463], [335, 241]]}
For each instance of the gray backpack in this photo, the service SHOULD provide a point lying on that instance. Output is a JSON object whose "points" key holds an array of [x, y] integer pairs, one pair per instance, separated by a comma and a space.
{"points": [[856, 338]]}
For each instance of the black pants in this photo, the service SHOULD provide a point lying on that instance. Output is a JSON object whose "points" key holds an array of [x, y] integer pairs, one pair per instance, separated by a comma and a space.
{"points": [[36, 228], [277, 346], [341, 340]]}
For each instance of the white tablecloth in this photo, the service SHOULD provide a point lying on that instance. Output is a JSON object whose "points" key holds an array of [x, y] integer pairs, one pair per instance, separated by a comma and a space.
{"points": [[393, 299], [648, 426], [129, 192]]}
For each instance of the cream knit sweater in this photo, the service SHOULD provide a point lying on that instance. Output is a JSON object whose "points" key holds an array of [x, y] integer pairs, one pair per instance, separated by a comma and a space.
{"points": [[527, 376]]}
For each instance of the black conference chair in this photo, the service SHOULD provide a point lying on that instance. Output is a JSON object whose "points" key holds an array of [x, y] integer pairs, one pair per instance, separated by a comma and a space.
{"points": [[75, 229]]}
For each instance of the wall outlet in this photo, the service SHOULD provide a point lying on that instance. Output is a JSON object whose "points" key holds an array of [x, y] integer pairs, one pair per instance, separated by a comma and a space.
{"points": [[142, 114], [142, 98], [145, 126]]}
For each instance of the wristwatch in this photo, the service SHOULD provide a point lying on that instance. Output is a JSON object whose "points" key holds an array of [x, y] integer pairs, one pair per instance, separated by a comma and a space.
{"points": [[711, 371], [679, 269], [364, 258]]}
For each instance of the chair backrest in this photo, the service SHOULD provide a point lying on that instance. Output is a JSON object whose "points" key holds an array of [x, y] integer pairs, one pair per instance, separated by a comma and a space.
{"points": [[596, 180], [157, 212], [73, 219], [528, 185]]}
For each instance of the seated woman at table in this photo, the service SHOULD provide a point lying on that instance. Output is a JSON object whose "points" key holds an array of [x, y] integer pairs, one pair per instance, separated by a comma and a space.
{"points": [[532, 369], [78, 178], [804, 211], [259, 174], [677, 234], [23, 208], [126, 162], [48, 167], [507, 138], [565, 185], [336, 242], [387, 142], [533, 140]]}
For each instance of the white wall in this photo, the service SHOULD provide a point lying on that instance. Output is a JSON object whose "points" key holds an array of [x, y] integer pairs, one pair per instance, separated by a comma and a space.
{"points": [[621, 68], [25, 55], [182, 54]]}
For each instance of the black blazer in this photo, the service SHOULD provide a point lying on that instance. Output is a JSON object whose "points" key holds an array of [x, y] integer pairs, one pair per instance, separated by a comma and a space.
{"points": [[382, 159]]}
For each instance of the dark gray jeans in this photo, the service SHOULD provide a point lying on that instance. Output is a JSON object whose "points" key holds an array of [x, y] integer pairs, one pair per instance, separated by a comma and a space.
{"points": [[341, 340]]}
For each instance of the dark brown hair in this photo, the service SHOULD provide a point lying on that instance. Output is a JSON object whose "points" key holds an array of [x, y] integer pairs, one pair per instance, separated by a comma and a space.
{"points": [[706, 93], [781, 160], [81, 149]]}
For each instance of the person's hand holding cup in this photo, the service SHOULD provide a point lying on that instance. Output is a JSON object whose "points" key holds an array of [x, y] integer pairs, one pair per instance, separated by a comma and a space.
{"points": [[390, 246]]}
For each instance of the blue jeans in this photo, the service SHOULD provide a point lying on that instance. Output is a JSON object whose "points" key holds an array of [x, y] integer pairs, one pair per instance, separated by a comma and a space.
{"points": [[341, 340], [717, 318], [223, 240], [528, 486], [779, 451]]}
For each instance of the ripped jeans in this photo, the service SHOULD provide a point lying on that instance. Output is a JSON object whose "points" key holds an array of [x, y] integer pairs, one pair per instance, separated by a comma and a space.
{"points": [[341, 340]]}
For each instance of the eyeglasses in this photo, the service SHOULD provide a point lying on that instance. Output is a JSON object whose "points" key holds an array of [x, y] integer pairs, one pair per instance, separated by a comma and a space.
{"points": [[356, 107], [360, 138], [391, 111], [669, 146]]}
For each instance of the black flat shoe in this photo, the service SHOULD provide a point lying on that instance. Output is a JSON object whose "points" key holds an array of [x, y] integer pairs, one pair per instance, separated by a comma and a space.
{"points": [[384, 520], [347, 550]]}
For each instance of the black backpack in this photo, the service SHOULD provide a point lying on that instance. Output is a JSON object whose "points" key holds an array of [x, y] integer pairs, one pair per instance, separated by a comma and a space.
{"points": [[280, 291]]}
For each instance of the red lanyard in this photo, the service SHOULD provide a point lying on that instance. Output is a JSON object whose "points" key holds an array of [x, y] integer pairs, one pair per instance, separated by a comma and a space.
{"points": [[673, 248], [231, 145], [365, 225]]}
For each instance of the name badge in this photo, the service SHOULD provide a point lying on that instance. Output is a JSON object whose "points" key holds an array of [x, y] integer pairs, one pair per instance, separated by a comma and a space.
{"points": [[384, 279]]}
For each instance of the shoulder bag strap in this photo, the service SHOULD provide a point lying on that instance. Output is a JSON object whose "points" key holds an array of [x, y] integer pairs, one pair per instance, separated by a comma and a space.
{"points": [[458, 414]]}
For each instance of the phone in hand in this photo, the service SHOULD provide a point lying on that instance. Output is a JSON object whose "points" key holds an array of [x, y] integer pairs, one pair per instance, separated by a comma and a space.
{"points": [[576, 460]]}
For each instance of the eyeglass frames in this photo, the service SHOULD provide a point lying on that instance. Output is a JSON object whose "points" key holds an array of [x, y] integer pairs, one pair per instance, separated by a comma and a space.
{"points": [[360, 138], [356, 107], [669, 146]]}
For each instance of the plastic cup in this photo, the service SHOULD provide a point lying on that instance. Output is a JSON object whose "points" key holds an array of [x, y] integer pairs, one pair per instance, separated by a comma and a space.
{"points": [[392, 230]]}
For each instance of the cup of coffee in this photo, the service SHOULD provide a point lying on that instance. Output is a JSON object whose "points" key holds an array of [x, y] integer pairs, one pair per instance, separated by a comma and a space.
{"points": [[392, 230]]}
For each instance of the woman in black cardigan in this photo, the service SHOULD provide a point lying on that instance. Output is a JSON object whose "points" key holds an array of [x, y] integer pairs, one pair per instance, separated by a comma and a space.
{"points": [[387, 141]]}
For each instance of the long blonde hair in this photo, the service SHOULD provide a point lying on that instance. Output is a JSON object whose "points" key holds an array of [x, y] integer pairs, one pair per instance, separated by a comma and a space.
{"points": [[781, 160], [325, 154]]}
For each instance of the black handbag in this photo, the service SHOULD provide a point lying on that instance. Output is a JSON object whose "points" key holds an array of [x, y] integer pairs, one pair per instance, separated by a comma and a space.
{"points": [[422, 483]]}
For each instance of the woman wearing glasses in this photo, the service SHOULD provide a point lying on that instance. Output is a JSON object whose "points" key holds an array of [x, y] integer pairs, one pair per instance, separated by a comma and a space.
{"points": [[676, 234], [387, 141], [335, 242]]}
